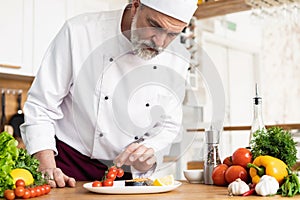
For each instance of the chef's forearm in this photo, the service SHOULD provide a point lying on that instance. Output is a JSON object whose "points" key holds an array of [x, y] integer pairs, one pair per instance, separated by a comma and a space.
{"points": [[46, 158]]}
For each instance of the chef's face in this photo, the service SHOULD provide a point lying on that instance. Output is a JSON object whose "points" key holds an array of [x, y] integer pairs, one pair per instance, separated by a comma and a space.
{"points": [[152, 31]]}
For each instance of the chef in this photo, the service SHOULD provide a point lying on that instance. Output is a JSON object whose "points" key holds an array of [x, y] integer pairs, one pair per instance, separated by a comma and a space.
{"points": [[109, 89]]}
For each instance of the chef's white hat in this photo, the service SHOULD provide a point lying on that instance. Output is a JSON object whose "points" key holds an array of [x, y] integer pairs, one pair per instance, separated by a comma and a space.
{"points": [[178, 9]]}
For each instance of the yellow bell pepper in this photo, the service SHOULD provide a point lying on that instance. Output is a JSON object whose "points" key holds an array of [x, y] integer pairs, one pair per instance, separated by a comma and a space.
{"points": [[267, 165]]}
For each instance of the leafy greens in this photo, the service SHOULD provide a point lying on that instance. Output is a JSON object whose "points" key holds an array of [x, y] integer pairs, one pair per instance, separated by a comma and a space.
{"points": [[11, 158], [274, 142]]}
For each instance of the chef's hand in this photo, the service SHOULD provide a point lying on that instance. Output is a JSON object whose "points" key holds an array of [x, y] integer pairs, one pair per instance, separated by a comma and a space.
{"points": [[138, 156], [58, 178], [48, 168]]}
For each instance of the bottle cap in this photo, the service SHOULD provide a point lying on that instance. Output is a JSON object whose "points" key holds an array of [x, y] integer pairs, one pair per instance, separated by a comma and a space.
{"points": [[257, 98]]}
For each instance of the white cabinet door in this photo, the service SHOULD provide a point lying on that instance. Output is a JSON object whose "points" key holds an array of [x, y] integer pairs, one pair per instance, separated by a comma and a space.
{"points": [[11, 34], [27, 28]]}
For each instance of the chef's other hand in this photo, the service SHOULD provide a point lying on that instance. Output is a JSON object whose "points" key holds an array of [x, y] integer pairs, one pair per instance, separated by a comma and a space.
{"points": [[57, 178], [137, 155]]}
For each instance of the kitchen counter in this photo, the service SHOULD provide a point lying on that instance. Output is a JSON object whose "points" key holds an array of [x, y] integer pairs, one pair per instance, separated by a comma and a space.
{"points": [[185, 191]]}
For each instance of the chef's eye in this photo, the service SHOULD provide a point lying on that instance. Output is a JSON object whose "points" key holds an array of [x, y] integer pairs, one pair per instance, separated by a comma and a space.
{"points": [[154, 24]]}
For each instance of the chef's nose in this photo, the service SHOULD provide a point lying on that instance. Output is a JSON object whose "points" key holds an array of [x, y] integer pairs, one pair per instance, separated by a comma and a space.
{"points": [[160, 38]]}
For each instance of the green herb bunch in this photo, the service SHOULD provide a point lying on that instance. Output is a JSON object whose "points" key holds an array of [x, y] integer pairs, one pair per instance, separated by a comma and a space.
{"points": [[11, 158], [274, 142]]}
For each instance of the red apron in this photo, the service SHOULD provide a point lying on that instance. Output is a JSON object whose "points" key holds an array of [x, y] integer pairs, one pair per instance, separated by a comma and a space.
{"points": [[79, 166]]}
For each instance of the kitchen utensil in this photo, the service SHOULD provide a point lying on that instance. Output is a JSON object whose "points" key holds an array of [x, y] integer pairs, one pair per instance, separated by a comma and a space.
{"points": [[212, 158], [18, 118], [2, 124]]}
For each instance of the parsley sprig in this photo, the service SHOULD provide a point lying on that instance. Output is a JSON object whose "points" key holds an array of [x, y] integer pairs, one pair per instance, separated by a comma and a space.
{"points": [[274, 142]]}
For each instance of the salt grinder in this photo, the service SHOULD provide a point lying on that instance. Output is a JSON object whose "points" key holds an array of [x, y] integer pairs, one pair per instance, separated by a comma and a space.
{"points": [[212, 158]]}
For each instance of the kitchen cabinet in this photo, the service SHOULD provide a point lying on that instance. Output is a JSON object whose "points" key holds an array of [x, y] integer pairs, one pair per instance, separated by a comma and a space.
{"points": [[29, 26], [214, 8], [12, 40]]}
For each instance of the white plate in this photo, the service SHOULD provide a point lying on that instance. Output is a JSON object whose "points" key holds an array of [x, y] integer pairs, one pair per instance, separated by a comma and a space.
{"points": [[131, 189]]}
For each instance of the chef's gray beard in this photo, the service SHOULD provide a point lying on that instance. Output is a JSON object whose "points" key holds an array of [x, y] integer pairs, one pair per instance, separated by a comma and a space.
{"points": [[140, 46]]}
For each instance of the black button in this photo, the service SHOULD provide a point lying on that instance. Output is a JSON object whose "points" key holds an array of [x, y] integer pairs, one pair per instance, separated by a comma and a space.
{"points": [[106, 97], [101, 135], [154, 67], [147, 104], [189, 68], [111, 59], [136, 137]]}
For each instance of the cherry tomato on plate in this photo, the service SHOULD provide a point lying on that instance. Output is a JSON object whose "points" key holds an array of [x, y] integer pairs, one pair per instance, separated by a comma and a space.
{"points": [[113, 169], [111, 175], [108, 182], [97, 184], [120, 172]]}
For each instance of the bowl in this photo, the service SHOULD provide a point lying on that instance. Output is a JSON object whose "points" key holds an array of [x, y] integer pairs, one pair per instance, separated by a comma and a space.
{"points": [[194, 175]]}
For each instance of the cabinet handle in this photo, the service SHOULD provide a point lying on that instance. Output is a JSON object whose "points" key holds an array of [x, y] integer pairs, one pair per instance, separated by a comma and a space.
{"points": [[10, 66]]}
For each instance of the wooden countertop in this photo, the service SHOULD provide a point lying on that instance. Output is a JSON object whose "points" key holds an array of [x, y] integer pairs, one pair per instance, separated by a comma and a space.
{"points": [[185, 191]]}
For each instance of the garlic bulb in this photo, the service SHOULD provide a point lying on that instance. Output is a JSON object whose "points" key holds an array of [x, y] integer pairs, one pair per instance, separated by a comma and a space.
{"points": [[238, 187], [267, 185]]}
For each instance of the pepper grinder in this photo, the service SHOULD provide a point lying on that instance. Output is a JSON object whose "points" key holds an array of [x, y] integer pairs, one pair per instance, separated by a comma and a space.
{"points": [[212, 158]]}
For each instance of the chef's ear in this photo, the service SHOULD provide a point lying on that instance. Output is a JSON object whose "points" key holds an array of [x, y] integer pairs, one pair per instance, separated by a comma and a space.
{"points": [[134, 6]]}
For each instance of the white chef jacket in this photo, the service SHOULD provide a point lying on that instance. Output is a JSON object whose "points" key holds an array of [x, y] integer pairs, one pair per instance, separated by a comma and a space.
{"points": [[94, 94]]}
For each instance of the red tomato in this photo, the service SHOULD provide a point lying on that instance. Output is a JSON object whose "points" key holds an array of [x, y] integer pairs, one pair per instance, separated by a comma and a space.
{"points": [[234, 172], [113, 169], [9, 194], [120, 172], [111, 175], [26, 194], [32, 192], [108, 182], [43, 191], [242, 157], [38, 191], [20, 182], [19, 191], [97, 184], [218, 175], [228, 161], [47, 188]]}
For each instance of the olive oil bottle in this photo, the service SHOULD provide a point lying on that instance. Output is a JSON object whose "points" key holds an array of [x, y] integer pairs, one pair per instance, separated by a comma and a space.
{"points": [[257, 123]]}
